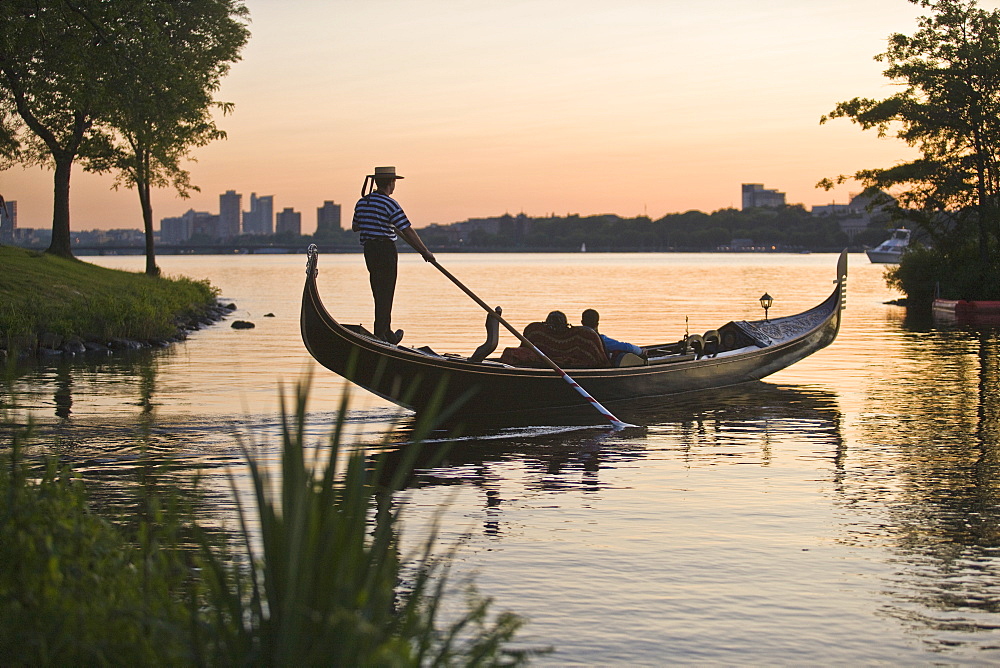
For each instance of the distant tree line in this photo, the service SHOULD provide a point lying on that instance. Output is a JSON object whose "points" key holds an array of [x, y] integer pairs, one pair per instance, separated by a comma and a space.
{"points": [[789, 228], [786, 228]]}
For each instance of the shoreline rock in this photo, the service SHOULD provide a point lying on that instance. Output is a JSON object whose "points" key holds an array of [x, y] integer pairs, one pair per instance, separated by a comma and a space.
{"points": [[49, 345]]}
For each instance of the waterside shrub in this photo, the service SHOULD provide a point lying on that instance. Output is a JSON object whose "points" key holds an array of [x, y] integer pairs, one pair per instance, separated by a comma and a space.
{"points": [[924, 274], [73, 589], [329, 585]]}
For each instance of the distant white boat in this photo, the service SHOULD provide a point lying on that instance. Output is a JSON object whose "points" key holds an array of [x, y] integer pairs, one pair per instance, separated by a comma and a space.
{"points": [[890, 250]]}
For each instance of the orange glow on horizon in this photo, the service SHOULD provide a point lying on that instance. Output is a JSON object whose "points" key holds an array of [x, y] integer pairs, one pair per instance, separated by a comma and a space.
{"points": [[638, 108]]}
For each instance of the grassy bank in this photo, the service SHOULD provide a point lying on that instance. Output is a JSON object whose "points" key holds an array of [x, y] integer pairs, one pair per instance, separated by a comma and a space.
{"points": [[45, 296]]}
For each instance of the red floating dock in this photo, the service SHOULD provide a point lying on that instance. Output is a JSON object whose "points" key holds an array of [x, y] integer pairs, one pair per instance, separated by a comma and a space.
{"points": [[967, 312]]}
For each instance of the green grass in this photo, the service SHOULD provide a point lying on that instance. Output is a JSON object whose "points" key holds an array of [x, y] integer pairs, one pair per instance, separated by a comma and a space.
{"points": [[41, 293]]}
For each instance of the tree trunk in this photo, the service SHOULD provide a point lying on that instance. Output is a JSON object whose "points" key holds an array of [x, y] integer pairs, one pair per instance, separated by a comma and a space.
{"points": [[147, 223], [983, 215], [60, 244]]}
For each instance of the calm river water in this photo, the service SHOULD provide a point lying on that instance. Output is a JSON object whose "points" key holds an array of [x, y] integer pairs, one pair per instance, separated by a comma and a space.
{"points": [[843, 511]]}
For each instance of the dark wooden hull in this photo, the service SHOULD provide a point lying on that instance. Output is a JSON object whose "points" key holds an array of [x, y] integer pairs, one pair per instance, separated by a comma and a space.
{"points": [[421, 381]]}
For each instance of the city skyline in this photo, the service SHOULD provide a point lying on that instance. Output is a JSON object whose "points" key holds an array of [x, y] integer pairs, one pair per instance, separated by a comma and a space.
{"points": [[232, 221], [261, 217], [543, 107]]}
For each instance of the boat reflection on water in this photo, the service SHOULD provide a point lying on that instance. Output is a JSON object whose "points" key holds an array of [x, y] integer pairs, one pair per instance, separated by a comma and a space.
{"points": [[931, 492], [572, 453]]}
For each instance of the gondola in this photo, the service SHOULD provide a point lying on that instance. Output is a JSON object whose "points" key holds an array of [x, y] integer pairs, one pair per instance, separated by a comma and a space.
{"points": [[423, 380]]}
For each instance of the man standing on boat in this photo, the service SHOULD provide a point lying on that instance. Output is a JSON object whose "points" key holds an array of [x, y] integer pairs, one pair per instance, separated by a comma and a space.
{"points": [[379, 219]]}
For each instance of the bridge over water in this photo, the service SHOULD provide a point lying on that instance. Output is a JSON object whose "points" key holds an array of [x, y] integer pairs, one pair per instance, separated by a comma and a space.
{"points": [[209, 249]]}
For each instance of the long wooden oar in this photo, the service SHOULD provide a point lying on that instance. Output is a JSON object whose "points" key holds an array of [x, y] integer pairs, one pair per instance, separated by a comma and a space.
{"points": [[615, 422]]}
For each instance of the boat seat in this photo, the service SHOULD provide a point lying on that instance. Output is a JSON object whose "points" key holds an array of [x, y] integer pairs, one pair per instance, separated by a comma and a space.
{"points": [[736, 335], [694, 343], [572, 347], [623, 359], [521, 356], [664, 349], [713, 343], [670, 359], [708, 344]]}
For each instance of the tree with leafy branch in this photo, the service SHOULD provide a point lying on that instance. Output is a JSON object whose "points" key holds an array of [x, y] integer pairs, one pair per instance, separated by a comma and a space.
{"points": [[163, 103], [948, 108], [125, 85], [54, 58]]}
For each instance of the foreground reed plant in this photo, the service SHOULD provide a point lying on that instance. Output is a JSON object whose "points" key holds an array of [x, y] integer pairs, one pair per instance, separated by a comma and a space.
{"points": [[327, 585]]}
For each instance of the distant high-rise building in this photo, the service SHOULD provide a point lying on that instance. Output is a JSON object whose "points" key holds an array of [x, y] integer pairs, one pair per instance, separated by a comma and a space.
{"points": [[289, 220], [8, 222], [755, 195], [249, 218], [174, 230], [260, 218], [229, 214], [871, 206], [180, 229], [328, 218], [204, 224]]}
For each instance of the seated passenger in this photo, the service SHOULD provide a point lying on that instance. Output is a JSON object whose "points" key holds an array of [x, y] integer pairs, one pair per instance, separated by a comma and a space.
{"points": [[557, 320], [590, 318], [570, 347]]}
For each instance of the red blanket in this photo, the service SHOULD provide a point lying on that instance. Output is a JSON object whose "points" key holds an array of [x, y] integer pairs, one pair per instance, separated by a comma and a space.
{"points": [[571, 347]]}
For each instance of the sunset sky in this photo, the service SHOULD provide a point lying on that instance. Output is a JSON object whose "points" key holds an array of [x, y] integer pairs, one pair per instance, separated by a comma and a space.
{"points": [[537, 106]]}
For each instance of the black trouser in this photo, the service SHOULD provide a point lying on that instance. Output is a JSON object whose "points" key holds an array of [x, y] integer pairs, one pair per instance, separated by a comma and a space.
{"points": [[380, 258]]}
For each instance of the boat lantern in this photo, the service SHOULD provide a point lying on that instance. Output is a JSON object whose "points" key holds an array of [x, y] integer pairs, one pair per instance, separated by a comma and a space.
{"points": [[765, 301]]}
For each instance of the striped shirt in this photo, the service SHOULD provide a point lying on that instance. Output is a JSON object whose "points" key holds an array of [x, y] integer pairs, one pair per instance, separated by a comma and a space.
{"points": [[378, 216]]}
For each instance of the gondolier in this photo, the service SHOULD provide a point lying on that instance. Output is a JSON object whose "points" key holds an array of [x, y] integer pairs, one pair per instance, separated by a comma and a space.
{"points": [[380, 220]]}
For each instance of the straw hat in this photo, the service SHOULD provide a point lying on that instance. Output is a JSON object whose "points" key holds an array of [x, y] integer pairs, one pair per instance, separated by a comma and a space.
{"points": [[384, 173], [380, 174]]}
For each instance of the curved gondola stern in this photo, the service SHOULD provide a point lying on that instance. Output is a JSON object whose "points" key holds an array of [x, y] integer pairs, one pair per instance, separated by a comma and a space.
{"points": [[340, 350], [313, 311], [842, 278], [826, 333], [839, 299], [787, 340], [841, 282], [315, 321]]}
